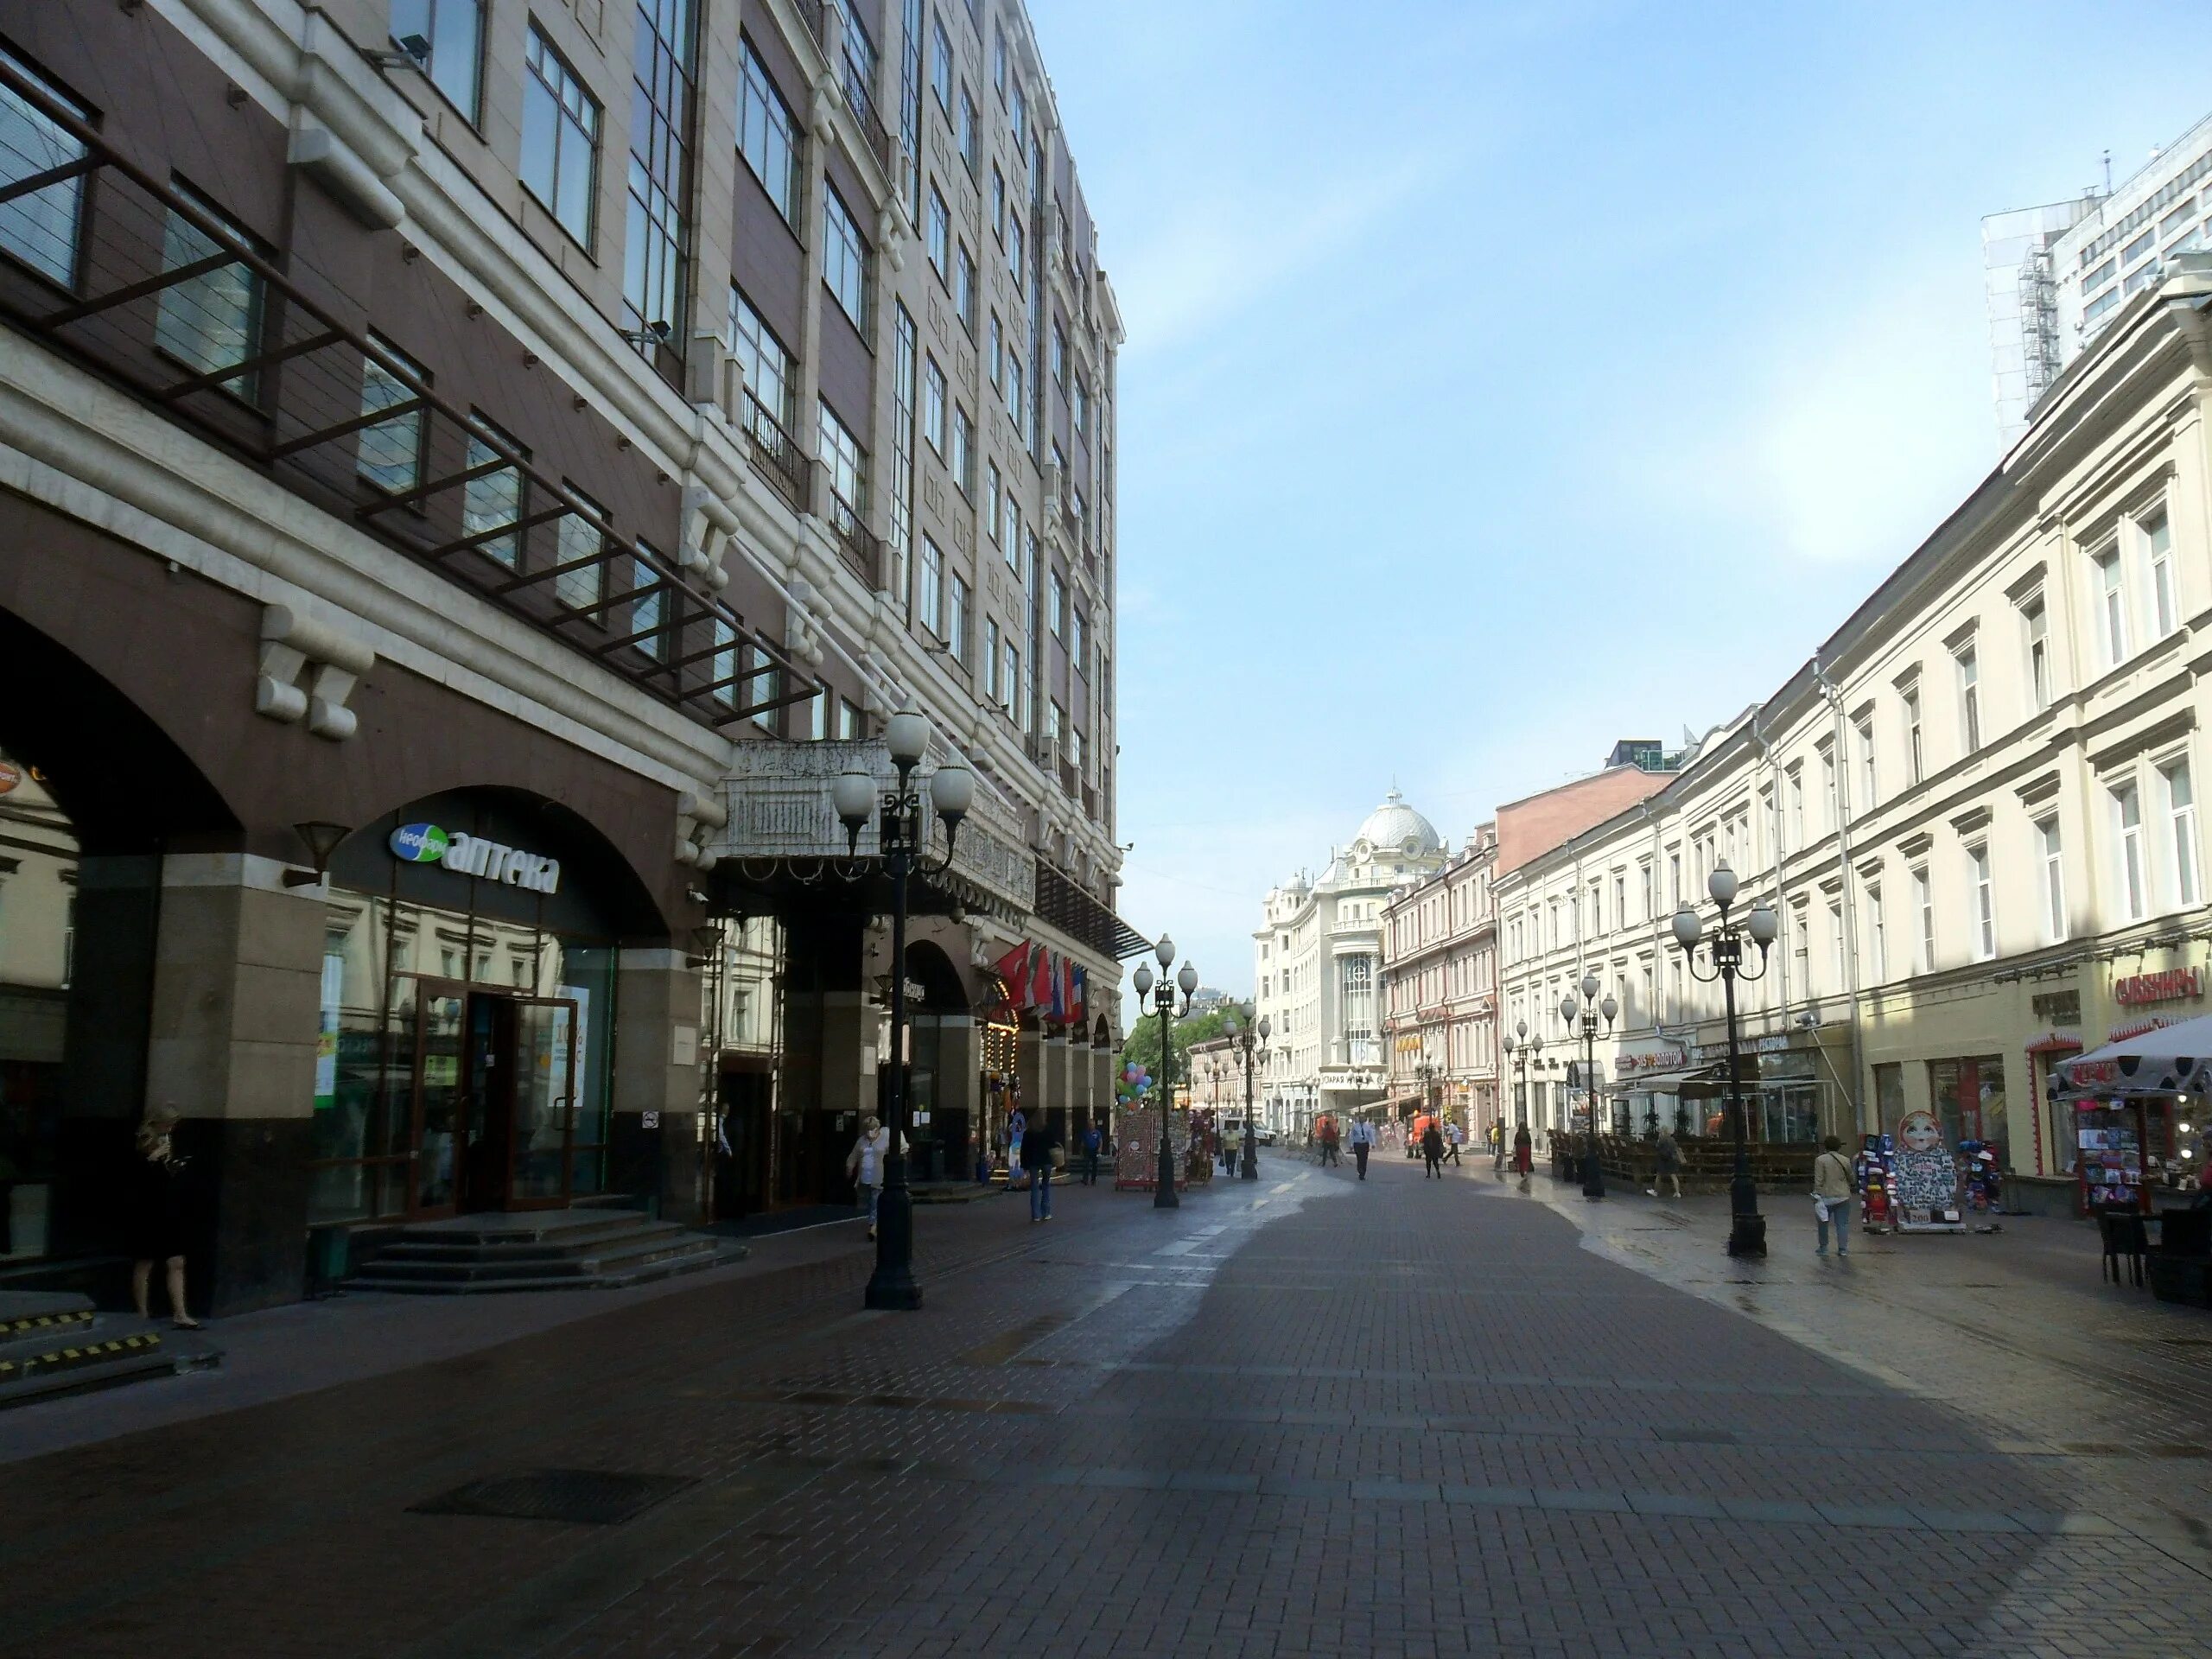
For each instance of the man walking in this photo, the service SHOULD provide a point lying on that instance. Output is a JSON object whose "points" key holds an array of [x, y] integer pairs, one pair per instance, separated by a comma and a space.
{"points": [[1666, 1164], [1037, 1146], [1431, 1151], [1452, 1136], [1091, 1140], [1363, 1142]]}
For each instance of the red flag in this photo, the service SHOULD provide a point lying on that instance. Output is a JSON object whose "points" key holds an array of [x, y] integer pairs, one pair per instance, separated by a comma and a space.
{"points": [[1041, 979], [1014, 968]]}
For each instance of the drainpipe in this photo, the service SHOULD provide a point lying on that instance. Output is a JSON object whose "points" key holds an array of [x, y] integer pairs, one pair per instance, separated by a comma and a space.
{"points": [[1781, 855], [1833, 694]]}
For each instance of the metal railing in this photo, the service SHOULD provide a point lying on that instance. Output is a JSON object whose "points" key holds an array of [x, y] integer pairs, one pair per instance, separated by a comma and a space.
{"points": [[776, 454], [864, 553], [154, 290]]}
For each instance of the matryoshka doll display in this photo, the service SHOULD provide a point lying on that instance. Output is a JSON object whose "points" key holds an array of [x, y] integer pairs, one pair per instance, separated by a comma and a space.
{"points": [[1928, 1177]]}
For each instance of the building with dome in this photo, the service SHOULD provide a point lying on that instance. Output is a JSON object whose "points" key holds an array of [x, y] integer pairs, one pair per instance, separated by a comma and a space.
{"points": [[1316, 962]]}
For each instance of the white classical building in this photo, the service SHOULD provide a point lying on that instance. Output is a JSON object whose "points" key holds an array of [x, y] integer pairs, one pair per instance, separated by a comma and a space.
{"points": [[1973, 809], [1317, 959]]}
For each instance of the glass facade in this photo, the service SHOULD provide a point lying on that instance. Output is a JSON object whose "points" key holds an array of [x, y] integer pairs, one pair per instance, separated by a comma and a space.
{"points": [[38, 908]]}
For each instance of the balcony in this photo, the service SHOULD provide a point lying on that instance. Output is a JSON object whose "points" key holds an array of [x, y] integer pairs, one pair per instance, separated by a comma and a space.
{"points": [[1065, 903], [858, 100], [775, 454], [244, 344], [856, 544], [782, 822]]}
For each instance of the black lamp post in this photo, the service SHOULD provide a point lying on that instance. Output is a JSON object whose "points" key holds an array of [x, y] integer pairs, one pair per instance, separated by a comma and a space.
{"points": [[902, 839], [1725, 962], [1240, 1045], [1593, 1168], [1164, 1196]]}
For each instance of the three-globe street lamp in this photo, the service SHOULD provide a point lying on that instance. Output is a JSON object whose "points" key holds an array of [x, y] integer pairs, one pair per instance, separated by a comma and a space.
{"points": [[1725, 962], [1527, 1049], [903, 840], [1594, 1171], [1163, 1193], [1240, 1045]]}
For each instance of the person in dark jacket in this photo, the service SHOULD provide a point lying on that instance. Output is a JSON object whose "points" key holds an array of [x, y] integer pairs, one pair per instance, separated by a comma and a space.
{"points": [[1524, 1150], [1038, 1147], [158, 1216], [1091, 1140], [1432, 1149]]}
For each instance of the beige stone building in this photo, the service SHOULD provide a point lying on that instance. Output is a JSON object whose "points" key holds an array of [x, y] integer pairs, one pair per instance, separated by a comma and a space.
{"points": [[1440, 988], [1973, 807]]}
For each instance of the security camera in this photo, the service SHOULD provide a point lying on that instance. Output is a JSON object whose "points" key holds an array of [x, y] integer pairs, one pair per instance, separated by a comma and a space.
{"points": [[414, 53], [653, 333], [695, 896]]}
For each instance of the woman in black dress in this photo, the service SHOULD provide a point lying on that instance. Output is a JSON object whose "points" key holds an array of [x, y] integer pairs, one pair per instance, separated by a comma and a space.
{"points": [[158, 1216]]}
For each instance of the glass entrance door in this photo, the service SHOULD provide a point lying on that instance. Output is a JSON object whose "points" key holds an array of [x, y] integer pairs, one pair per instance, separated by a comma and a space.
{"points": [[440, 1114], [542, 1118]]}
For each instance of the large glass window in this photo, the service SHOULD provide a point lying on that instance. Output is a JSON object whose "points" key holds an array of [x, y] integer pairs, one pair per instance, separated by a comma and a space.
{"points": [[1969, 1097], [770, 375], [941, 66], [453, 30], [581, 537], [2036, 622], [844, 259], [906, 346], [1915, 756], [969, 150], [963, 287], [767, 136], [933, 405], [2159, 547], [2047, 853], [940, 236], [910, 106], [956, 628], [391, 454], [654, 253], [2181, 831], [1923, 900], [1969, 700], [932, 595], [492, 501], [213, 320], [963, 458], [1983, 916], [560, 138], [845, 462], [41, 229], [2127, 818], [2111, 600]]}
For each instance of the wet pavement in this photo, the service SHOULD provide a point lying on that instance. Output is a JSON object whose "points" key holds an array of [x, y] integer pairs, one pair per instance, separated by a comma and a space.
{"points": [[1304, 1416]]}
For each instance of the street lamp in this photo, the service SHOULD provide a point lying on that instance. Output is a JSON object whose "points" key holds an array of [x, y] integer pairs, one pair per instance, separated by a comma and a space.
{"points": [[1521, 1053], [902, 839], [1163, 1193], [1594, 1171], [1240, 1045], [1725, 962]]}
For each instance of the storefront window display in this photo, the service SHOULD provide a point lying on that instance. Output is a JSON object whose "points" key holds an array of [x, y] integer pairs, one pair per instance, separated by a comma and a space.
{"points": [[1969, 1097], [1791, 1093]]}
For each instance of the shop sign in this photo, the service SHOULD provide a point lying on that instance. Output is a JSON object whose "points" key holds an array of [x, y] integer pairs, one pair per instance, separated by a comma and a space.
{"points": [[1659, 1061], [1773, 1044], [2175, 985], [426, 843]]}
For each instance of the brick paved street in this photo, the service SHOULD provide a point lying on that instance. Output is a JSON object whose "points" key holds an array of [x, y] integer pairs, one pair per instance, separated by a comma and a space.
{"points": [[1307, 1417]]}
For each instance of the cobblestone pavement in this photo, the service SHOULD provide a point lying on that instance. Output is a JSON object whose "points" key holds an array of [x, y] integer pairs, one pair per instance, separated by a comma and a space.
{"points": [[1307, 1417]]}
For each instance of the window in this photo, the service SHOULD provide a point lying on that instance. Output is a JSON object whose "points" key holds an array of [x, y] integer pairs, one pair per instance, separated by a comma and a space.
{"points": [[1075, 642], [1012, 539], [994, 352], [851, 722], [2127, 815], [1017, 112], [654, 253], [1079, 396], [2036, 622], [454, 29], [940, 236], [1644, 887], [1915, 758], [998, 59], [933, 405], [560, 138], [2159, 544], [41, 229], [1014, 261], [963, 287], [2054, 881], [763, 684], [814, 718], [1876, 941], [727, 688], [1827, 787], [844, 259], [963, 459], [956, 628], [771, 376], [213, 320], [1796, 778], [1923, 900], [767, 136], [910, 106], [941, 66], [1014, 401], [1982, 917], [932, 586], [579, 537], [991, 493], [969, 149], [1057, 609], [998, 202], [1053, 721], [2181, 828], [1863, 729], [1059, 357], [1801, 948], [843, 462], [1836, 943], [902, 444], [391, 455], [1012, 686], [2112, 607], [1969, 700], [648, 611], [991, 658], [492, 502]]}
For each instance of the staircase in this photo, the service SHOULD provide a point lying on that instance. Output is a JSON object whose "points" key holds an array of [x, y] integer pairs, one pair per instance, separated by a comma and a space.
{"points": [[545, 1250], [54, 1342]]}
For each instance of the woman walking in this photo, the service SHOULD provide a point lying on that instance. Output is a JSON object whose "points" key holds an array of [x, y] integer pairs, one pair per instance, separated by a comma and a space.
{"points": [[158, 1216], [1432, 1150], [864, 1165], [1831, 1196], [1524, 1159]]}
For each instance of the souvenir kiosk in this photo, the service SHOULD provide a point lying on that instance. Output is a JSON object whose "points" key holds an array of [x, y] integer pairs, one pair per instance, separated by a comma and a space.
{"points": [[2137, 1117]]}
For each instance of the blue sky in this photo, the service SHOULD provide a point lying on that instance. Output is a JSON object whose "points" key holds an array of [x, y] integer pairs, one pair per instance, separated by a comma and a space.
{"points": [[1503, 378]]}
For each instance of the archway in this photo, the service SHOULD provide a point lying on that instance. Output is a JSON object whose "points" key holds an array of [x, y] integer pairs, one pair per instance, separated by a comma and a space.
{"points": [[942, 1061]]}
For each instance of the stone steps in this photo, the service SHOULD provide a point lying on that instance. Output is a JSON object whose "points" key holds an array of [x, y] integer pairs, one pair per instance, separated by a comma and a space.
{"points": [[56, 1342], [595, 1247]]}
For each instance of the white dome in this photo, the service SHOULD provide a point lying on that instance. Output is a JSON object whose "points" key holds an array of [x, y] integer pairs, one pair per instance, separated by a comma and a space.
{"points": [[1396, 827]]}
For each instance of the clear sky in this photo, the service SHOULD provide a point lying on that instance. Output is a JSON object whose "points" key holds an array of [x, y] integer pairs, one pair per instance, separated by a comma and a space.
{"points": [[1503, 379]]}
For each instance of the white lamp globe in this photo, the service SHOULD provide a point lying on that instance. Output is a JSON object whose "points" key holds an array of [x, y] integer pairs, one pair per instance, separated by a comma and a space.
{"points": [[1164, 953], [1141, 980], [1764, 924], [1687, 928], [906, 735], [952, 791], [854, 796], [1568, 1008], [1589, 988], [1188, 979], [1721, 884]]}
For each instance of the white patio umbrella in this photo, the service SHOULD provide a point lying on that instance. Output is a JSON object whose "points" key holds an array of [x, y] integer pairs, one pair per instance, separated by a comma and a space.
{"points": [[2168, 1060]]}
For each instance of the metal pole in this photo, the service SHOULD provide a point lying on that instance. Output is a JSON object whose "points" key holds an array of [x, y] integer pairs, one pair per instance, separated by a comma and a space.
{"points": [[1746, 1227], [1163, 1191], [1593, 1173], [1251, 1170], [892, 1285]]}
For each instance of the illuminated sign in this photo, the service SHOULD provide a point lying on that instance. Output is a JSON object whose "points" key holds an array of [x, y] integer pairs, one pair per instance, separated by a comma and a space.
{"points": [[490, 861]]}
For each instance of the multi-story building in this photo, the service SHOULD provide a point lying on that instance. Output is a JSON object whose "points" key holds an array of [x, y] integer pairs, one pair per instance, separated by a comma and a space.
{"points": [[473, 474], [1440, 988], [2056, 275], [1973, 809], [1316, 957]]}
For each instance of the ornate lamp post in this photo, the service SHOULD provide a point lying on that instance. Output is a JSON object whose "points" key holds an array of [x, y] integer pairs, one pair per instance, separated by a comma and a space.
{"points": [[1164, 1196], [1724, 959], [1521, 1053], [1593, 1169], [1240, 1045], [903, 839]]}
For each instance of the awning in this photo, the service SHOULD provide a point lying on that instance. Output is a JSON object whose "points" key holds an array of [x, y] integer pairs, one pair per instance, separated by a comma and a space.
{"points": [[2164, 1060], [1671, 1082]]}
